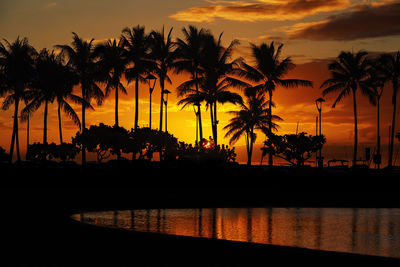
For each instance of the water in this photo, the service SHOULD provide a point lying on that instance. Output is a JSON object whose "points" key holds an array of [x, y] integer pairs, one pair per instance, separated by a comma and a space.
{"points": [[363, 231]]}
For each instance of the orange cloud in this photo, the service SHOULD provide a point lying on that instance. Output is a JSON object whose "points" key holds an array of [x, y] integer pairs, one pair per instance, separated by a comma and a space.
{"points": [[261, 10], [365, 21]]}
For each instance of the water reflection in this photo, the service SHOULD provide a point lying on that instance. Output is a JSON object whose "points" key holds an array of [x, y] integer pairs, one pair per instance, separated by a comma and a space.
{"points": [[364, 231]]}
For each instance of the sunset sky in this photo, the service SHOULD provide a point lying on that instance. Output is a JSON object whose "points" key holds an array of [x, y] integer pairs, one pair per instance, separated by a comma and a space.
{"points": [[313, 32]]}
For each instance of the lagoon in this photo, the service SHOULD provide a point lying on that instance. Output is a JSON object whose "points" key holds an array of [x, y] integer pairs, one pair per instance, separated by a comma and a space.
{"points": [[367, 231]]}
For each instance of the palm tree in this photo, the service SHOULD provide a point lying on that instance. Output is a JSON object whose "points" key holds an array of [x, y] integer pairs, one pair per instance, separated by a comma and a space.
{"points": [[252, 116], [42, 87], [391, 69], [63, 92], [16, 67], [189, 53], [349, 72], [162, 52], [137, 52], [269, 71], [82, 60], [375, 82], [214, 83], [52, 81], [112, 58]]}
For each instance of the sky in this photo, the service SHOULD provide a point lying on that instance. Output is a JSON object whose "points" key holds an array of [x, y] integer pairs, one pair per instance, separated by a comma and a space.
{"points": [[313, 33]]}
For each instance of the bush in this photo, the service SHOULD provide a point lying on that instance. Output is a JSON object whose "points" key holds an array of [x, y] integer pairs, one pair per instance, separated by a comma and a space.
{"points": [[295, 149], [63, 152], [104, 140], [206, 152], [3, 155]]}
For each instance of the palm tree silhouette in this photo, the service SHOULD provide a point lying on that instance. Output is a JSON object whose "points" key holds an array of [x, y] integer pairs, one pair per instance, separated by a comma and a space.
{"points": [[189, 53], [375, 82], [52, 81], [27, 131], [42, 87], [63, 92], [17, 68], [391, 69], [268, 71], [82, 59], [162, 52], [254, 115], [348, 73], [217, 77], [137, 47], [113, 61]]}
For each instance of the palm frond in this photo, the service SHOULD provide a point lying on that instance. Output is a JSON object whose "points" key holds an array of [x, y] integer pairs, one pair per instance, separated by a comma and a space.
{"points": [[294, 83], [71, 113]]}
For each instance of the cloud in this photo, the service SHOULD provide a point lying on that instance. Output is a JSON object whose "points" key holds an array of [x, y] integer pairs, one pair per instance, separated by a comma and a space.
{"points": [[364, 21], [50, 5], [259, 10]]}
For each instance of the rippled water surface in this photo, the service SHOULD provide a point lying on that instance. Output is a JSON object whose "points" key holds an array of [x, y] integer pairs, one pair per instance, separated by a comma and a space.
{"points": [[363, 231]]}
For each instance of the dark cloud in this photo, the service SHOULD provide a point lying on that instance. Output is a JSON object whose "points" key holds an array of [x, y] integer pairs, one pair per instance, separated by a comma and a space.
{"points": [[363, 22]]}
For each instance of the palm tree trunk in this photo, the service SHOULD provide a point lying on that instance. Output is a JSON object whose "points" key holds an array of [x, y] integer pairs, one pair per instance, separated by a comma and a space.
{"points": [[136, 102], [250, 150], [59, 122], [17, 142], [116, 115], [83, 128], [270, 158], [15, 129], [45, 122], [355, 129], [27, 136], [378, 135], [161, 102], [116, 105], [161, 111], [391, 142], [215, 124], [198, 109], [212, 119]]}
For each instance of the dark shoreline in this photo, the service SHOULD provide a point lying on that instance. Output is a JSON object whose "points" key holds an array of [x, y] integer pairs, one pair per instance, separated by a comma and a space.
{"points": [[41, 233]]}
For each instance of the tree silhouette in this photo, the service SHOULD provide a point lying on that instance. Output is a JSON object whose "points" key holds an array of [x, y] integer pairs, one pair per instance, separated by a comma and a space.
{"points": [[42, 88], [104, 140], [375, 82], [294, 148], [349, 72], [63, 93], [269, 71], [216, 79], [113, 61], [52, 80], [82, 59], [391, 68], [16, 68], [137, 46], [252, 116], [189, 53], [162, 52]]}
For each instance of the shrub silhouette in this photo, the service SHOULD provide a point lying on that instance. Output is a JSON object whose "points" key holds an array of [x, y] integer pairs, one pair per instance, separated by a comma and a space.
{"points": [[295, 149], [104, 140], [146, 141], [64, 152], [3, 155], [206, 154]]}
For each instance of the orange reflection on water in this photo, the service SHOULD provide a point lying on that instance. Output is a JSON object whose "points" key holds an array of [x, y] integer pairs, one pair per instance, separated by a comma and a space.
{"points": [[363, 231]]}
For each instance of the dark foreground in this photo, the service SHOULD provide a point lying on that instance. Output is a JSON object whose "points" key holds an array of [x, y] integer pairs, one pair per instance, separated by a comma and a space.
{"points": [[38, 231]]}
